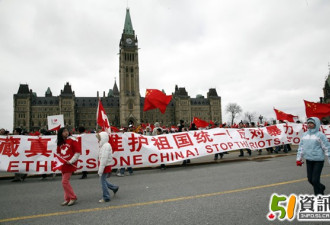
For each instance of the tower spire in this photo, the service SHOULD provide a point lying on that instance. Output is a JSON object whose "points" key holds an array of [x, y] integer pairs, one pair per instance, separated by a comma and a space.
{"points": [[128, 27]]}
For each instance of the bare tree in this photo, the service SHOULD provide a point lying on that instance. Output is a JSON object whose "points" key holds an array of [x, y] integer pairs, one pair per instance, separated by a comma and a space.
{"points": [[234, 110], [250, 117]]}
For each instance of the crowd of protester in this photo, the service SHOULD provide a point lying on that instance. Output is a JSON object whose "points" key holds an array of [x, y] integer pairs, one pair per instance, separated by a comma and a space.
{"points": [[68, 148], [152, 130]]}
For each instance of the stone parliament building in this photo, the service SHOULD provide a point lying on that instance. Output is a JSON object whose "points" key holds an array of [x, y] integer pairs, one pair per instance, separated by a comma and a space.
{"points": [[123, 106]]}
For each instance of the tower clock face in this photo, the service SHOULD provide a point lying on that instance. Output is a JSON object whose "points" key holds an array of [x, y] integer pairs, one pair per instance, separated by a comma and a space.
{"points": [[129, 41]]}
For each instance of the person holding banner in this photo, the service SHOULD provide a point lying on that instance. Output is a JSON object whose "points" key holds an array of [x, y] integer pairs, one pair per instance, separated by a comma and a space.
{"points": [[159, 132], [19, 176], [69, 149], [181, 129], [241, 126], [105, 160], [82, 131], [2, 131], [121, 171], [313, 147]]}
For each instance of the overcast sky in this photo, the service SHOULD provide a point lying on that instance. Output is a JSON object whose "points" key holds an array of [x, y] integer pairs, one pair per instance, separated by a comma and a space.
{"points": [[259, 54]]}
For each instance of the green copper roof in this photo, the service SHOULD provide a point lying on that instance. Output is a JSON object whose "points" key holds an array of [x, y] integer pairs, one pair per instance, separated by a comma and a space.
{"points": [[328, 80], [48, 91], [128, 27]]}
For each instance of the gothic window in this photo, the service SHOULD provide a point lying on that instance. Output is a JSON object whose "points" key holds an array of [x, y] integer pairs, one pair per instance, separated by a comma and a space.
{"points": [[130, 105]]}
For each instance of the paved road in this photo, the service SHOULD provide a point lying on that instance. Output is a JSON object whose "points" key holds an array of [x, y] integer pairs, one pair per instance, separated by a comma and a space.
{"points": [[237, 192]]}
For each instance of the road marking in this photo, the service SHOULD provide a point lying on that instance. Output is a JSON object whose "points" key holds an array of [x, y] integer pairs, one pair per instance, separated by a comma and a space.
{"points": [[153, 202]]}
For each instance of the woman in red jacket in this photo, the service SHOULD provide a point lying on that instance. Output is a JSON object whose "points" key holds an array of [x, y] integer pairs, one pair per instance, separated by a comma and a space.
{"points": [[69, 149]]}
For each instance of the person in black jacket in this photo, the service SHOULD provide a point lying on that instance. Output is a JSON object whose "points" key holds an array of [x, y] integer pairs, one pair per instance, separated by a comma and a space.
{"points": [[181, 129]]}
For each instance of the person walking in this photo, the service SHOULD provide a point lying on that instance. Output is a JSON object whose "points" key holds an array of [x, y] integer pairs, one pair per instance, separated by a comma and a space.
{"points": [[313, 147], [105, 160], [68, 149]]}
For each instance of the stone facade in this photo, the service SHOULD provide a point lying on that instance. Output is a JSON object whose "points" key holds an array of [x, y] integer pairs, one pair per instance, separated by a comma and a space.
{"points": [[326, 90], [123, 106]]}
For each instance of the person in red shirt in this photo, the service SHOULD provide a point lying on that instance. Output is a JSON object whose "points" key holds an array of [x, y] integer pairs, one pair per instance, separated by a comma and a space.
{"points": [[69, 149]]}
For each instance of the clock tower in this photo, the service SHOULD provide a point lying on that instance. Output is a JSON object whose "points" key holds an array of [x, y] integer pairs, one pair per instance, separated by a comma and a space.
{"points": [[130, 109]]}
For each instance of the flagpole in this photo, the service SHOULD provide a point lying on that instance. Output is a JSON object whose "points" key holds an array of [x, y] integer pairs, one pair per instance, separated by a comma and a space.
{"points": [[97, 113]]}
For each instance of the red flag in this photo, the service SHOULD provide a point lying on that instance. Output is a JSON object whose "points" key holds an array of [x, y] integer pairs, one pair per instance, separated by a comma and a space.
{"points": [[56, 128], [102, 119], [212, 124], [318, 110], [156, 99], [57, 163], [200, 123], [114, 129], [284, 116]]}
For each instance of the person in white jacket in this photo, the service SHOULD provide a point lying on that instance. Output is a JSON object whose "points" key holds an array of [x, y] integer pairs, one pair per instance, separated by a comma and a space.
{"points": [[105, 160], [313, 147]]}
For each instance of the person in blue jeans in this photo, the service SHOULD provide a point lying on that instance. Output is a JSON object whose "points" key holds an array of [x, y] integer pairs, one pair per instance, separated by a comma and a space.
{"points": [[105, 160], [121, 172], [313, 147]]}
